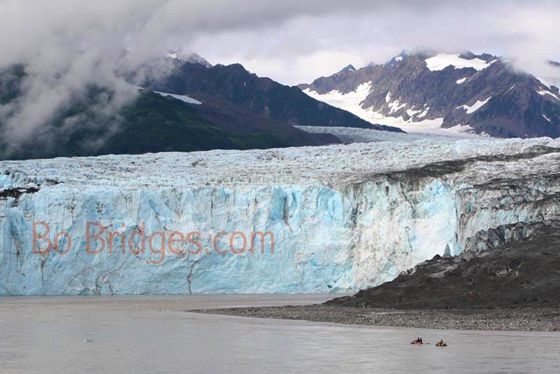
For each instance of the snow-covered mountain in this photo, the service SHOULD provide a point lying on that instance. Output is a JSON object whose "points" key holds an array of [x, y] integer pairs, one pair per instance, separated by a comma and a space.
{"points": [[329, 209], [187, 56], [461, 92]]}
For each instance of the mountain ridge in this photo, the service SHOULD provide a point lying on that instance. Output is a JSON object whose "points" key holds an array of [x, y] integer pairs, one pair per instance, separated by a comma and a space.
{"points": [[481, 93], [261, 95], [227, 107]]}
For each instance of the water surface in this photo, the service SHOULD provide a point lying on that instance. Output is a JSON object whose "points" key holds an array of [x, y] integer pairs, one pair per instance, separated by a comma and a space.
{"points": [[156, 335]]}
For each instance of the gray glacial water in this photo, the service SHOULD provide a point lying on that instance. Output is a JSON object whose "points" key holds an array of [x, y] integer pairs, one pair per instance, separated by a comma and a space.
{"points": [[157, 335]]}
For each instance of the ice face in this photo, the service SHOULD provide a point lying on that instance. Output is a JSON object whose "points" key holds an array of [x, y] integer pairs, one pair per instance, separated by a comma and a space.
{"points": [[341, 217]]}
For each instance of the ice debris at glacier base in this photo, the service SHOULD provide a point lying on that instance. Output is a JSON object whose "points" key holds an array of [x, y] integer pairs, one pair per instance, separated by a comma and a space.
{"points": [[343, 217]]}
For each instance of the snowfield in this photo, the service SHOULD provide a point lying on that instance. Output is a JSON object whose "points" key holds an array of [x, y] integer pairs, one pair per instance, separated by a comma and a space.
{"points": [[343, 217], [476, 106], [183, 98], [353, 101], [441, 61]]}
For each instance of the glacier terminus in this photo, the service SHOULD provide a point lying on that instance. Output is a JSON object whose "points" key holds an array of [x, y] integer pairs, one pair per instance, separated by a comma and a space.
{"points": [[341, 217]]}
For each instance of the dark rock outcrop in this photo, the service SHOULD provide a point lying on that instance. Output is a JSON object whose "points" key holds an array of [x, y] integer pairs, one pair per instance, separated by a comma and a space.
{"points": [[261, 96], [520, 268]]}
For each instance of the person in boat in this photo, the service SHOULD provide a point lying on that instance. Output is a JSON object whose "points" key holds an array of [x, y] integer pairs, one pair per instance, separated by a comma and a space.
{"points": [[441, 343], [417, 341]]}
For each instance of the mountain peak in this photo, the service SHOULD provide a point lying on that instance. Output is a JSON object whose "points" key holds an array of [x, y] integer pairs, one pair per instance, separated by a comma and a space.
{"points": [[349, 67], [465, 91], [405, 54], [187, 56]]}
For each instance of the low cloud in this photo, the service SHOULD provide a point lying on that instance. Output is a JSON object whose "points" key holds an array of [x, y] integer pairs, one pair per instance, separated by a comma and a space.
{"points": [[302, 47], [67, 45]]}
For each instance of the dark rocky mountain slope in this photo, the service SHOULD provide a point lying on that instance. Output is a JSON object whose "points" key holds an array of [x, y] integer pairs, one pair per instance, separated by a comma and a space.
{"points": [[523, 272], [235, 110], [261, 96], [483, 92], [157, 123]]}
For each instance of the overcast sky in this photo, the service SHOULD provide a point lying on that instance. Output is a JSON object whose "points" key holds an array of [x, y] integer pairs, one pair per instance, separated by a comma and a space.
{"points": [[67, 43], [291, 41], [297, 41]]}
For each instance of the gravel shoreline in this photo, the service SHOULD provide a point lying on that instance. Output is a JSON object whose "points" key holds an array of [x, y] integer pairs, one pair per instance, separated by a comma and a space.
{"points": [[498, 319]]}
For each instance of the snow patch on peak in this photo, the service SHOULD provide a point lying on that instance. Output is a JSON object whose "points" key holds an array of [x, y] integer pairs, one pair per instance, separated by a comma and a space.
{"points": [[412, 112], [388, 97], [424, 113], [461, 81], [476, 106], [184, 98], [396, 105], [544, 92], [350, 101], [441, 61], [187, 56]]}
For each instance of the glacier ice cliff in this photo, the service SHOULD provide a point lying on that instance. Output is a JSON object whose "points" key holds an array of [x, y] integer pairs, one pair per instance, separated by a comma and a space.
{"points": [[342, 217]]}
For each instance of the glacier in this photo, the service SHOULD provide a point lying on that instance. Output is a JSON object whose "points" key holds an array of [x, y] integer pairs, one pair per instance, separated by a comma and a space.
{"points": [[342, 217]]}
